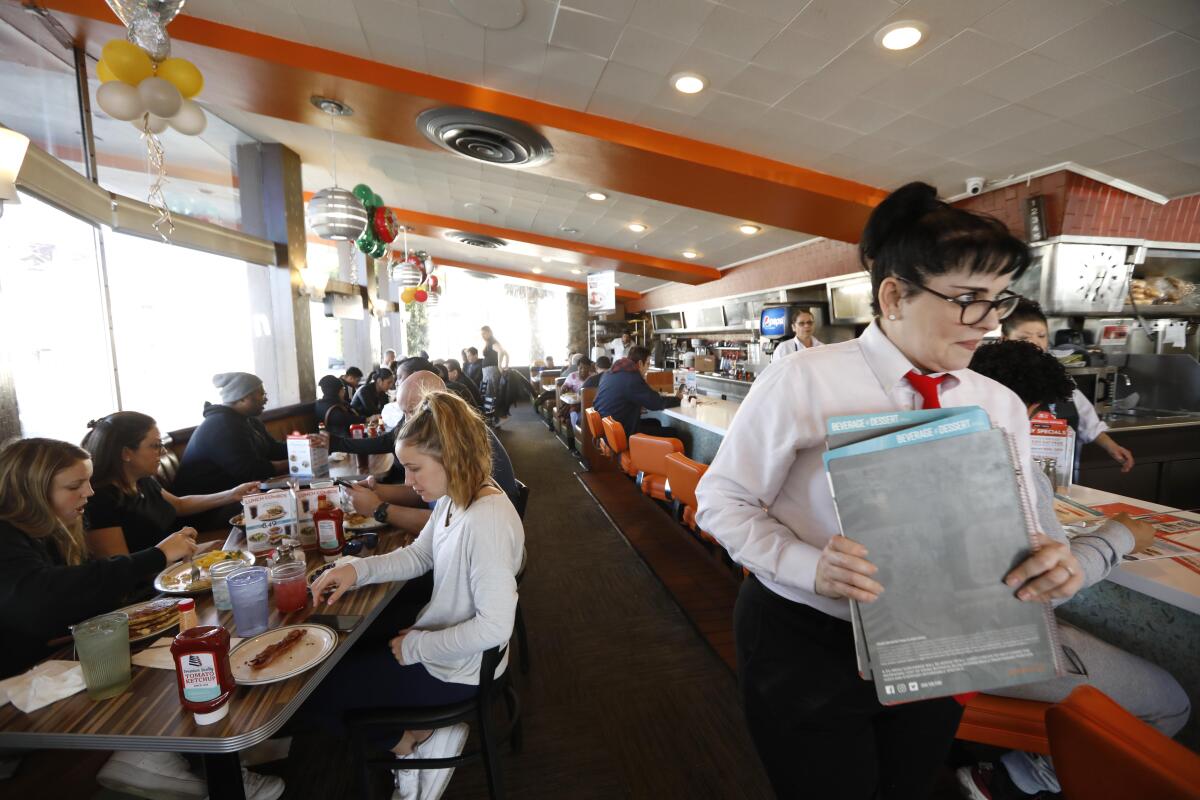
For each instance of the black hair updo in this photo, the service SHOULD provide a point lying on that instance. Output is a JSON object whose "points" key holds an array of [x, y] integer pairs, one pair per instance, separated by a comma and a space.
{"points": [[913, 235]]}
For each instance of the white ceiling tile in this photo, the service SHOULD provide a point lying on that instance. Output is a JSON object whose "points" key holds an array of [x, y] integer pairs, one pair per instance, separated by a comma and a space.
{"points": [[1006, 122], [1172, 13], [735, 34], [906, 90], [578, 31], [912, 130], [616, 10], [1188, 150], [1074, 96], [1094, 152], [1052, 138], [864, 116], [966, 56], [451, 34], [856, 70], [514, 50], [1182, 91], [572, 66], [283, 23], [760, 84], [511, 81], [1162, 132], [717, 69], [781, 11], [811, 99], [648, 51], [1031, 22], [621, 80], [663, 119], [796, 53], [564, 93], [348, 39], [385, 17], [946, 15], [841, 22], [398, 53], [614, 107], [1104, 36], [1002, 160], [959, 105], [1025, 75], [873, 149], [726, 108], [539, 19], [690, 104], [337, 13], [454, 67], [1126, 111], [1160, 60], [675, 19], [955, 144]]}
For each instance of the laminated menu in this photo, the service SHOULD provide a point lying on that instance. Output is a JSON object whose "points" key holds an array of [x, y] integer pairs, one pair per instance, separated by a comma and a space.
{"points": [[269, 518], [309, 500], [941, 508], [306, 459]]}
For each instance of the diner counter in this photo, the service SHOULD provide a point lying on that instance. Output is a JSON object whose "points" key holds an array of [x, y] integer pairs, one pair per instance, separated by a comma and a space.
{"points": [[710, 413], [1122, 423]]}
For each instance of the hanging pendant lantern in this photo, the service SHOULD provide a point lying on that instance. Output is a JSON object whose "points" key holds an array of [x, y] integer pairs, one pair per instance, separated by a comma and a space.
{"points": [[409, 273], [336, 214]]}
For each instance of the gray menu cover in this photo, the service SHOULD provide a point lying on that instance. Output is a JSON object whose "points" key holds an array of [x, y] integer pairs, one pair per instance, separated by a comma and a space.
{"points": [[944, 521]]}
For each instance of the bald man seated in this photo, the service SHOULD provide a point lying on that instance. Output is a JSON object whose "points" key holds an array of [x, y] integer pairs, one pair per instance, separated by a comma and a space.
{"points": [[397, 504]]}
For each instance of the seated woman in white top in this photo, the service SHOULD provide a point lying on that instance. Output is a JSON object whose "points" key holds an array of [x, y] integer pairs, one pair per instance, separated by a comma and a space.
{"points": [[1028, 324], [939, 278], [473, 543], [1144, 689], [803, 323]]}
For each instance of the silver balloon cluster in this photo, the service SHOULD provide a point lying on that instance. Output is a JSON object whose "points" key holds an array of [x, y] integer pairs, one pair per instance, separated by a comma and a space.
{"points": [[146, 22]]}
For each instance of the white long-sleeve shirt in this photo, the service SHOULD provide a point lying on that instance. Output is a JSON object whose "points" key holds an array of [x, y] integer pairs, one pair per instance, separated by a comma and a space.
{"points": [[793, 345], [475, 560], [1090, 425], [766, 497]]}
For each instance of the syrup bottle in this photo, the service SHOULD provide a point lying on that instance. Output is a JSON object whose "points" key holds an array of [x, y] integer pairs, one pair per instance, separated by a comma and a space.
{"points": [[328, 520]]}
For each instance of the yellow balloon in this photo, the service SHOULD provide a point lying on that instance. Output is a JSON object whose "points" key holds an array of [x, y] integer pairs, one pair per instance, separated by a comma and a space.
{"points": [[104, 73], [183, 74], [408, 295], [127, 61]]}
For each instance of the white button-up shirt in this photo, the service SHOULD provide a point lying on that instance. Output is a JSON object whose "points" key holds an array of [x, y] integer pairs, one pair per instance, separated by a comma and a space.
{"points": [[1090, 425], [793, 345], [766, 497]]}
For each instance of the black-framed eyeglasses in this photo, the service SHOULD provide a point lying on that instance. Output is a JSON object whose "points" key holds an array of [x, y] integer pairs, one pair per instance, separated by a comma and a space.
{"points": [[159, 446], [972, 312]]}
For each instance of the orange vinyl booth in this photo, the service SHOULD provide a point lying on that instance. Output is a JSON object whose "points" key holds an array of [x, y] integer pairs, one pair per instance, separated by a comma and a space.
{"points": [[649, 454], [614, 433], [683, 475], [1102, 751], [1005, 722]]}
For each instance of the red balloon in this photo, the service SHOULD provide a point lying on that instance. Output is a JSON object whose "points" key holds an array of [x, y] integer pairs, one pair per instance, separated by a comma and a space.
{"points": [[421, 296], [433, 283], [385, 223]]}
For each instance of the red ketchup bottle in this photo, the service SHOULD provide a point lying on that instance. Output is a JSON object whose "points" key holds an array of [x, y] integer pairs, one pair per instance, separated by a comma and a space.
{"points": [[202, 672], [330, 536]]}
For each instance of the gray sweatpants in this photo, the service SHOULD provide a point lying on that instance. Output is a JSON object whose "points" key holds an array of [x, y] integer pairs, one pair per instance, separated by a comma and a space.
{"points": [[1143, 689]]}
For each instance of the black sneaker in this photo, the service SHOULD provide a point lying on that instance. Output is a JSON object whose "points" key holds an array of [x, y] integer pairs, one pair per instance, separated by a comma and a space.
{"points": [[988, 782]]}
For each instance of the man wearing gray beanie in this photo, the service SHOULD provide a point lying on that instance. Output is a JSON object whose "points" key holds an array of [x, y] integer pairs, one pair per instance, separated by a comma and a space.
{"points": [[231, 446]]}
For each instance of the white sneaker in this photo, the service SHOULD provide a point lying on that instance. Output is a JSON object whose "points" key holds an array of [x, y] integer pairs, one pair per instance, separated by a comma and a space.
{"points": [[444, 743], [266, 751], [261, 787], [407, 781], [159, 776]]}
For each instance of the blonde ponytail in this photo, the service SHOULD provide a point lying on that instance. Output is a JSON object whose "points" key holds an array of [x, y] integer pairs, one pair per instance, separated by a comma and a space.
{"points": [[448, 429]]}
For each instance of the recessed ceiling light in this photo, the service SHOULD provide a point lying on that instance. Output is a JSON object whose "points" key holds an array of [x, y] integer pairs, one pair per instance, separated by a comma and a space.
{"points": [[546, 259], [900, 35], [688, 82], [636, 227], [689, 254], [748, 229], [597, 196], [536, 270], [616, 284], [576, 272]]}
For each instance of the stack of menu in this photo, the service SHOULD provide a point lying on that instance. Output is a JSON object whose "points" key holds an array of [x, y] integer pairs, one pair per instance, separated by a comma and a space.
{"points": [[936, 498]]}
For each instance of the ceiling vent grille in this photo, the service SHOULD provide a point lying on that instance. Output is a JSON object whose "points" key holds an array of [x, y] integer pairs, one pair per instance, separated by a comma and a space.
{"points": [[476, 239], [485, 137]]}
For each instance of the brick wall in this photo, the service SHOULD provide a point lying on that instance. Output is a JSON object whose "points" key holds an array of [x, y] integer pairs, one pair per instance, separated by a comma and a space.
{"points": [[1008, 204], [1096, 209]]}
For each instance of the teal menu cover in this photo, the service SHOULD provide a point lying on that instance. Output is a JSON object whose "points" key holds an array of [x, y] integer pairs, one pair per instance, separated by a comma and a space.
{"points": [[944, 518]]}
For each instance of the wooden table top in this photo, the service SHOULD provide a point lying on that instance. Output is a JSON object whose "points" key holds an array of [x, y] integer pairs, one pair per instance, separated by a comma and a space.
{"points": [[148, 714]]}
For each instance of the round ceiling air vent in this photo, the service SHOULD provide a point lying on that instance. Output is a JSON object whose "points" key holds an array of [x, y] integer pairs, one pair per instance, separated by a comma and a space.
{"points": [[485, 137], [476, 239]]}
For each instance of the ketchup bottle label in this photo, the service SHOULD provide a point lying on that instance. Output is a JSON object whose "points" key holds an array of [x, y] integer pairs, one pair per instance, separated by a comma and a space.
{"points": [[200, 681], [327, 538]]}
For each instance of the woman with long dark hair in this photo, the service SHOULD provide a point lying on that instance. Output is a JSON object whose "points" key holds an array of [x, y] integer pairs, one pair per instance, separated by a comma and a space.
{"points": [[372, 396], [130, 510], [939, 278], [333, 408]]}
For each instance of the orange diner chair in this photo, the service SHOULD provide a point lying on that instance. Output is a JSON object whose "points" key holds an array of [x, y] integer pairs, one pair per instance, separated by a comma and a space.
{"points": [[683, 474], [649, 455], [1102, 751], [614, 432], [1005, 722], [596, 430]]}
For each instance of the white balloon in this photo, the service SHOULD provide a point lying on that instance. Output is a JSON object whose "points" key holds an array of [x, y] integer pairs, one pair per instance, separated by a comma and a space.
{"points": [[191, 120], [155, 124], [120, 101], [161, 97]]}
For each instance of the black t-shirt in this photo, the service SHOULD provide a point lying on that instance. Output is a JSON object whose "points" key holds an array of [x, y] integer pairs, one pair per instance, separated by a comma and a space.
{"points": [[146, 518]]}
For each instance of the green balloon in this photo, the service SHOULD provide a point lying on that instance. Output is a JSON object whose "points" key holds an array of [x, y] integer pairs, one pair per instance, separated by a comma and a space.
{"points": [[380, 249], [366, 242], [376, 201], [364, 193]]}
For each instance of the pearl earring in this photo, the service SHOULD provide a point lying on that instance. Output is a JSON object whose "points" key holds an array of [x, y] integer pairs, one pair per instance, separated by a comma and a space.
{"points": [[891, 316]]}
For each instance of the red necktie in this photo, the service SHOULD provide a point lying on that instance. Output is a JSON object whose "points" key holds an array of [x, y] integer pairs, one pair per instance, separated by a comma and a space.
{"points": [[927, 387]]}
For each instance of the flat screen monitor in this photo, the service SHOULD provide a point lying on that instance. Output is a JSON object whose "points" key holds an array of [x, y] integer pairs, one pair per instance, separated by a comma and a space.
{"points": [[773, 321]]}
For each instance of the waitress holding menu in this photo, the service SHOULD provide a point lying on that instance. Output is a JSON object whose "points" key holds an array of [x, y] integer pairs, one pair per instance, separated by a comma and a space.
{"points": [[939, 279]]}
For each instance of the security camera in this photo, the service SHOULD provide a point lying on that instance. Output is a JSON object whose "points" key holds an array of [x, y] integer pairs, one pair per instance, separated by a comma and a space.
{"points": [[975, 185]]}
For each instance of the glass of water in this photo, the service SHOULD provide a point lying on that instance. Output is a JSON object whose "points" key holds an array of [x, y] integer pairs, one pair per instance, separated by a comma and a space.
{"points": [[217, 574], [248, 593], [102, 645]]}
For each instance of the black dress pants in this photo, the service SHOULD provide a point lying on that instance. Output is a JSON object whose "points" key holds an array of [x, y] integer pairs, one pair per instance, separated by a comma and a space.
{"points": [[817, 726]]}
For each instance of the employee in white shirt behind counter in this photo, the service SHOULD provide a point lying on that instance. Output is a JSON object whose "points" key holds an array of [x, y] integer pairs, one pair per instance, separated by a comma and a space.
{"points": [[803, 323], [939, 278], [1028, 324]]}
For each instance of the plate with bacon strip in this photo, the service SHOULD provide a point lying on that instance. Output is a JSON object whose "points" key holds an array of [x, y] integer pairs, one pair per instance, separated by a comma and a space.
{"points": [[281, 653]]}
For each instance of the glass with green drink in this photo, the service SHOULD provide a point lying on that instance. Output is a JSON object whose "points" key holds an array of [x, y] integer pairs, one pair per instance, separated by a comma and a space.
{"points": [[102, 646]]}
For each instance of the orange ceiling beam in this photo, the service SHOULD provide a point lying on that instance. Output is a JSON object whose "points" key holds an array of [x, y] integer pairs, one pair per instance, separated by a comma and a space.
{"points": [[275, 77], [623, 294]]}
